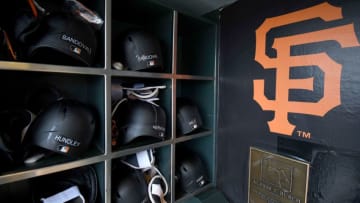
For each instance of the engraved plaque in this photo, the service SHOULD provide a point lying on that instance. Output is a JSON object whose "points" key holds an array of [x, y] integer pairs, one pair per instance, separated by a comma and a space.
{"points": [[275, 178]]}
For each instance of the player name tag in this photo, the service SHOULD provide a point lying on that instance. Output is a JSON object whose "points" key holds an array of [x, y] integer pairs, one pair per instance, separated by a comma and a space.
{"points": [[275, 178]]}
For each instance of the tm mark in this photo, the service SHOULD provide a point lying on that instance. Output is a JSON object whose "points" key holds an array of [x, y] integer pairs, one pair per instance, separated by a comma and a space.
{"points": [[303, 134]]}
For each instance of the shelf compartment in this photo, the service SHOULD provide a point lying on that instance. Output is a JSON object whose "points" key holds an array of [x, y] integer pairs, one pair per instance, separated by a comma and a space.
{"points": [[17, 86], [202, 147], [164, 102], [146, 15], [78, 44], [161, 162], [201, 93], [196, 42], [25, 190]]}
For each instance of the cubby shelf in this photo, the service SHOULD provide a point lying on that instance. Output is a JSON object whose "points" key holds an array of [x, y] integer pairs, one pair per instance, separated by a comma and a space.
{"points": [[189, 47]]}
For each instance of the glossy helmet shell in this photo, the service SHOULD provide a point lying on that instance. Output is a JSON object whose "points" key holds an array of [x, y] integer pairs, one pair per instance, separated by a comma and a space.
{"points": [[191, 171], [142, 51], [139, 119], [130, 188], [58, 38], [188, 116], [66, 127]]}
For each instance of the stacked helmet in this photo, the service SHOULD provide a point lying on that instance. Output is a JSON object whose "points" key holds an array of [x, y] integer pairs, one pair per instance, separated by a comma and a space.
{"points": [[63, 184], [13, 126], [142, 51], [65, 126], [190, 171], [188, 116], [137, 119], [130, 188], [42, 96]]}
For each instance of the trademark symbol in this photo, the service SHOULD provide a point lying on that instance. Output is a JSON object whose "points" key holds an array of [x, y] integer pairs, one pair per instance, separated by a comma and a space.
{"points": [[303, 134]]}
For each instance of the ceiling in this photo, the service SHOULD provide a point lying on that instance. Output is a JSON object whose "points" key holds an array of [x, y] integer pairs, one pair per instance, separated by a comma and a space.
{"points": [[197, 7]]}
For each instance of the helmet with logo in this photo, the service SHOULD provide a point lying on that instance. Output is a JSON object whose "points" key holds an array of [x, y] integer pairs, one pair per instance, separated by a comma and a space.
{"points": [[141, 51], [138, 119], [190, 171], [65, 126], [57, 38], [188, 115]]}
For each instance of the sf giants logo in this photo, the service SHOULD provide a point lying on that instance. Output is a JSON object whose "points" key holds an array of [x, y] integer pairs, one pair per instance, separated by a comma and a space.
{"points": [[344, 35]]}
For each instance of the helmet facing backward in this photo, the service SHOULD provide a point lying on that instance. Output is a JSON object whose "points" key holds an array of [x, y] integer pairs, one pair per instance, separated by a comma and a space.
{"points": [[190, 171], [137, 119], [131, 188], [188, 116]]}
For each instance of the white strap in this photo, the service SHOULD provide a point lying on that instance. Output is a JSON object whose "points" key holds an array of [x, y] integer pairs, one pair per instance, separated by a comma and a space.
{"points": [[143, 160], [143, 95], [155, 189], [117, 106], [25, 129], [64, 196], [163, 179], [145, 88], [34, 158], [145, 163], [148, 94]]}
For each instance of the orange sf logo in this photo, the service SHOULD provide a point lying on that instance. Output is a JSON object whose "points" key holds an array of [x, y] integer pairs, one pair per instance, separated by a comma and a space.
{"points": [[344, 35]]}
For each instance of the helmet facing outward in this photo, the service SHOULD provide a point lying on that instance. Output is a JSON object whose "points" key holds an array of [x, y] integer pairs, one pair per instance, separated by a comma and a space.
{"points": [[65, 126], [142, 51]]}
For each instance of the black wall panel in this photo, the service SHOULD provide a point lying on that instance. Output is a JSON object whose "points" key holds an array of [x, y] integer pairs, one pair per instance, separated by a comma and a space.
{"points": [[243, 122]]}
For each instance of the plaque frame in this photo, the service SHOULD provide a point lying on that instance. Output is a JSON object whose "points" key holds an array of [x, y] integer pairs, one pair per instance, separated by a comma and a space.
{"points": [[276, 178]]}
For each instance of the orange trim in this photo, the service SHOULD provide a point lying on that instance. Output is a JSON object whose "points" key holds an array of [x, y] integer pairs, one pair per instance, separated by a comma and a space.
{"points": [[33, 8], [12, 52]]}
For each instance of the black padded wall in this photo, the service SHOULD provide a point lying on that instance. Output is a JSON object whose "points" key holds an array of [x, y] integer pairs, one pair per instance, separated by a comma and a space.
{"points": [[308, 72]]}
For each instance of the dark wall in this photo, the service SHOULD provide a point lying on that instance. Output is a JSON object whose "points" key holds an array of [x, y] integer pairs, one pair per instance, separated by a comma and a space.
{"points": [[331, 127]]}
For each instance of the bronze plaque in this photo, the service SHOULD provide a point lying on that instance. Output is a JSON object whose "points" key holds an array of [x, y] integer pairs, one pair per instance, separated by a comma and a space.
{"points": [[275, 178]]}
